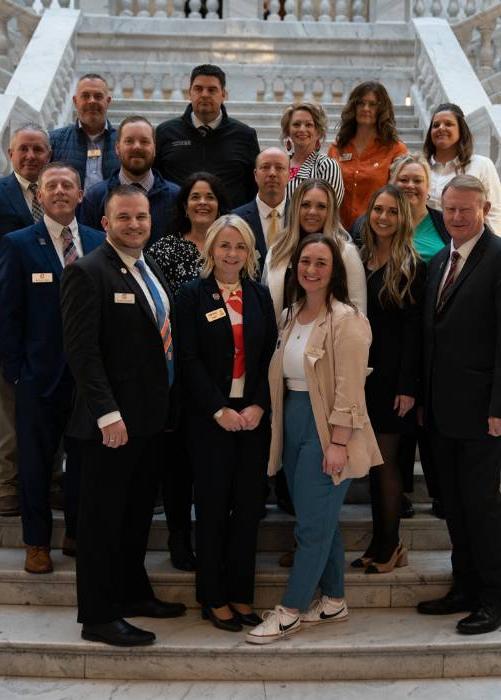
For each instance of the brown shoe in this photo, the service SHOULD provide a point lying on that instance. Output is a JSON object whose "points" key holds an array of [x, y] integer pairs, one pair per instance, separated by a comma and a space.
{"points": [[287, 560], [9, 505], [38, 560]]}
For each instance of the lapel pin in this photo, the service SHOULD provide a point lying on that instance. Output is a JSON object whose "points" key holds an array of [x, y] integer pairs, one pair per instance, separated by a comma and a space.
{"points": [[216, 296], [123, 270], [42, 241]]}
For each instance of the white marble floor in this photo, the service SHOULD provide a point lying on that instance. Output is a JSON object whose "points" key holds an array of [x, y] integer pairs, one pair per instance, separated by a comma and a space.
{"points": [[43, 689]]}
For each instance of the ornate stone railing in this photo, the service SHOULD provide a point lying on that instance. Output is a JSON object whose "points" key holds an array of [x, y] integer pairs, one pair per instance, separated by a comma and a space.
{"points": [[451, 10], [444, 74], [477, 38], [17, 25]]}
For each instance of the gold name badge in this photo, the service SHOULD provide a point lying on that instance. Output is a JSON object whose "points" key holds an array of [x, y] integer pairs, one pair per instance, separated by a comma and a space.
{"points": [[93, 153], [214, 315], [123, 298], [41, 277], [345, 156]]}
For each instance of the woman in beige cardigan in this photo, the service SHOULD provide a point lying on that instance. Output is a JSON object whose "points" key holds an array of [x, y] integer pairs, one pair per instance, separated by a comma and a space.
{"points": [[321, 433]]}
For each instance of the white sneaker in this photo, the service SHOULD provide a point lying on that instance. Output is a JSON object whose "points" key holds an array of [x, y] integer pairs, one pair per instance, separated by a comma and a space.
{"points": [[325, 609], [277, 624]]}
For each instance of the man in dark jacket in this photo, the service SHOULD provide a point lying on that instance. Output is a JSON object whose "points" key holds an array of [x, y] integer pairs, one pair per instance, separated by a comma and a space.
{"points": [[89, 144], [135, 148], [206, 138]]}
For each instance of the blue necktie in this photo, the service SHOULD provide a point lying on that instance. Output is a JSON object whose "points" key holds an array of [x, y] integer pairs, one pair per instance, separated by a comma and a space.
{"points": [[162, 318]]}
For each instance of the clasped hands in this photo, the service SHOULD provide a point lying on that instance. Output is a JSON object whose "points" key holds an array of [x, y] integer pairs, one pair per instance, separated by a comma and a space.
{"points": [[247, 419]]}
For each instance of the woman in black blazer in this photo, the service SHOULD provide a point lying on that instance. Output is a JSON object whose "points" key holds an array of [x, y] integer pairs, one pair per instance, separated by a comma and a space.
{"points": [[227, 334]]}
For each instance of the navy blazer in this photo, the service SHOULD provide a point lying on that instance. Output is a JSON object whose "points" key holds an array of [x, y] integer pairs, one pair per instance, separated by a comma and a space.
{"points": [[250, 213], [206, 347], [31, 338], [14, 212], [462, 343]]}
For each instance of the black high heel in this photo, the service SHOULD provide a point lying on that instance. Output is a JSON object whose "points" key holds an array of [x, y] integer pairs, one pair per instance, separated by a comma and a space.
{"points": [[230, 625]]}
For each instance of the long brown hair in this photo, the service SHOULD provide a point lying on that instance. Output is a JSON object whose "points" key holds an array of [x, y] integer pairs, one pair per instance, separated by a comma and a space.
{"points": [[385, 124], [465, 144]]}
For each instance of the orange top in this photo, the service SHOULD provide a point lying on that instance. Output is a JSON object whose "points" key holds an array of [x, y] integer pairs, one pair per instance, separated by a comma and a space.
{"points": [[363, 174]]}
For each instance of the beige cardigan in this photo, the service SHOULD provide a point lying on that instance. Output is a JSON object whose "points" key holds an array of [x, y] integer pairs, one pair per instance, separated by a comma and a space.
{"points": [[335, 365]]}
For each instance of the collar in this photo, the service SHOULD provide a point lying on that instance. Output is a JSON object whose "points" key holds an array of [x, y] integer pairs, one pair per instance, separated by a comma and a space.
{"points": [[213, 124], [23, 181], [55, 229], [95, 137], [465, 249], [265, 210], [128, 260], [147, 181], [450, 163]]}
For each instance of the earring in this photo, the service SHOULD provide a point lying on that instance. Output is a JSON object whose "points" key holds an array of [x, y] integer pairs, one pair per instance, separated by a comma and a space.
{"points": [[289, 147], [317, 145]]}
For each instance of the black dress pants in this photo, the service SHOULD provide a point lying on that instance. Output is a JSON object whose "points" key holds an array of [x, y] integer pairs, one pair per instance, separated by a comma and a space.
{"points": [[177, 483], [230, 471], [469, 473], [117, 496]]}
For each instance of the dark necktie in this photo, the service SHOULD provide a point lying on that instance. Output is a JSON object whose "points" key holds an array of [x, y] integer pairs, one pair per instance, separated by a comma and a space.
{"points": [[36, 207], [204, 130], [449, 281]]}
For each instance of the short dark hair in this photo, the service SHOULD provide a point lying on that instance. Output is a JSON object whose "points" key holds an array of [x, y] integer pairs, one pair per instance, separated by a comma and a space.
{"points": [[181, 222], [134, 119], [93, 76], [60, 165], [123, 191], [464, 145], [209, 69]]}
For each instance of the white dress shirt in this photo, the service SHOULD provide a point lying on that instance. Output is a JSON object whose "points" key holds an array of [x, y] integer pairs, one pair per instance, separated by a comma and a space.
{"points": [[24, 184], [129, 262], [55, 230], [213, 124], [464, 251], [265, 215]]}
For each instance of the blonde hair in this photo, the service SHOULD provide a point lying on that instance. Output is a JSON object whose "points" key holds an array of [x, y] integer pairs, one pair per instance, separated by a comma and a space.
{"points": [[410, 159], [315, 111], [401, 267], [233, 221], [288, 238]]}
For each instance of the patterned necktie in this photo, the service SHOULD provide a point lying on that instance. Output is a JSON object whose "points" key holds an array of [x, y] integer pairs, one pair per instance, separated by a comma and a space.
{"points": [[204, 130], [273, 227], [36, 207], [163, 321], [70, 253], [449, 281]]}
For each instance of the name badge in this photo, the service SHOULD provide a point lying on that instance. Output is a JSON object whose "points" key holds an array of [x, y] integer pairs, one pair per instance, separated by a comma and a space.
{"points": [[41, 277], [124, 298], [93, 153], [214, 315], [345, 156]]}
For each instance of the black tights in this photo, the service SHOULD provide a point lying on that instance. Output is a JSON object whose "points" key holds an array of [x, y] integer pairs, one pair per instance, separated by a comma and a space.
{"points": [[386, 497]]}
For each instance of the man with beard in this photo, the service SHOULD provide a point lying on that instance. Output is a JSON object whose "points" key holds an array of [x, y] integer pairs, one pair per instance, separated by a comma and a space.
{"points": [[88, 145], [135, 148]]}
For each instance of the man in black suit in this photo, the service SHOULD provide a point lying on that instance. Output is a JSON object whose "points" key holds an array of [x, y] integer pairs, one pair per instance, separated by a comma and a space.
{"points": [[265, 213], [29, 151], [117, 313], [462, 385]]}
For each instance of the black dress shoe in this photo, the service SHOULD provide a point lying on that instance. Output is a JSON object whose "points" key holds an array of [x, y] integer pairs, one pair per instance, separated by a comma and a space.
{"points": [[437, 509], [486, 619], [455, 601], [154, 608], [285, 504], [249, 619], [230, 625], [118, 633], [181, 553], [406, 508]]}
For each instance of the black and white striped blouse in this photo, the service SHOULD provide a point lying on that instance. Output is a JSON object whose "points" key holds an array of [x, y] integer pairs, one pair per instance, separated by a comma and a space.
{"points": [[320, 167]]}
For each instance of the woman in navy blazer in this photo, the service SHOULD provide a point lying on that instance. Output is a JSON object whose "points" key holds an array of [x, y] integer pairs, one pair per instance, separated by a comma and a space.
{"points": [[227, 334]]}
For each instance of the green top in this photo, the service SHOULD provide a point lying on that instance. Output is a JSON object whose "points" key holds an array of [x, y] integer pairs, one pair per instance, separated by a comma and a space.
{"points": [[427, 240]]}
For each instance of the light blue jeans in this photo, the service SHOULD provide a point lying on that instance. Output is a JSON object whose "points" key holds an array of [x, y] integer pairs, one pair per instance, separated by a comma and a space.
{"points": [[319, 558]]}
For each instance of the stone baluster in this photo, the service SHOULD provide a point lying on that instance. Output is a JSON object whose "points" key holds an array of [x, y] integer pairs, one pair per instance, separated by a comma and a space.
{"points": [[341, 11], [453, 9], [143, 8], [436, 8], [470, 8], [177, 90], [274, 8], [4, 43], [290, 11], [126, 8], [486, 55], [288, 93], [178, 10], [358, 11], [156, 92], [63, 3], [268, 94], [194, 7], [46, 4], [307, 11], [325, 11], [212, 9], [419, 8], [160, 8]]}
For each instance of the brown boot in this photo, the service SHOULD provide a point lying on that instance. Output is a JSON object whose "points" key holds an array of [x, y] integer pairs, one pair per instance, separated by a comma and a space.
{"points": [[38, 560]]}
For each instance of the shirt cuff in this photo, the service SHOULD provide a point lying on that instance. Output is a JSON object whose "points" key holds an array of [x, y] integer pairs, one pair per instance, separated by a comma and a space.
{"points": [[108, 419]]}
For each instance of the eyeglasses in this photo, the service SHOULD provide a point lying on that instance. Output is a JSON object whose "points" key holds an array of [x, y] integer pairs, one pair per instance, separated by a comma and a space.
{"points": [[372, 104]]}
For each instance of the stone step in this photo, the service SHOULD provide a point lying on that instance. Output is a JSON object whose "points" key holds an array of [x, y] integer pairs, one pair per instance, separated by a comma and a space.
{"points": [[427, 576], [378, 644], [423, 532]]}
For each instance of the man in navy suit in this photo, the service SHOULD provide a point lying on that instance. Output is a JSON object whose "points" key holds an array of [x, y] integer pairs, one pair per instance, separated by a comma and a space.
{"points": [[29, 151], [265, 213], [31, 345]]}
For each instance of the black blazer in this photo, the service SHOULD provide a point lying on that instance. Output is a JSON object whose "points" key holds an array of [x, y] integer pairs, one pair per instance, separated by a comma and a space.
{"points": [[206, 347], [250, 213], [14, 212], [462, 348], [114, 350]]}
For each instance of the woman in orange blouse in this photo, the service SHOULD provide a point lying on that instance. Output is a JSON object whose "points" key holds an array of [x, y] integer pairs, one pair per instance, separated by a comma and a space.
{"points": [[366, 145]]}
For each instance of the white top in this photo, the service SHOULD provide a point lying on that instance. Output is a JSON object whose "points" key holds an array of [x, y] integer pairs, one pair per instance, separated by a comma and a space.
{"points": [[294, 356], [265, 210], [55, 230], [481, 167]]}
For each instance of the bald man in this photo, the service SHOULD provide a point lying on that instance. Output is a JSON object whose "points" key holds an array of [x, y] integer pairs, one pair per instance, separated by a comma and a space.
{"points": [[265, 213]]}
